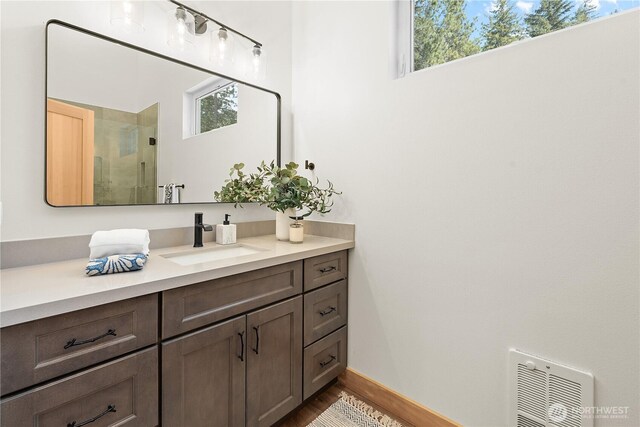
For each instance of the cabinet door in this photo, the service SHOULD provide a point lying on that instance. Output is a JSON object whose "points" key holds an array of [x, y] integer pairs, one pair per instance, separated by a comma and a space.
{"points": [[274, 362], [203, 377]]}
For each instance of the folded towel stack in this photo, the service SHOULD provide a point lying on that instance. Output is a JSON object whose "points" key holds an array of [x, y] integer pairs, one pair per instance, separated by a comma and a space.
{"points": [[117, 251]]}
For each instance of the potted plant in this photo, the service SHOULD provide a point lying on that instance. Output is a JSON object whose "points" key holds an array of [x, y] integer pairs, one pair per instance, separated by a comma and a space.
{"points": [[281, 189]]}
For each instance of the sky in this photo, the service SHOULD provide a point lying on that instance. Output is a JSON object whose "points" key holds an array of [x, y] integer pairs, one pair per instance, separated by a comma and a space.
{"points": [[481, 8]]}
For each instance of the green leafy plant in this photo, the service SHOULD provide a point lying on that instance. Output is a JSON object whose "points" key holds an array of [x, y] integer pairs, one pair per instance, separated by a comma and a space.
{"points": [[279, 188], [240, 187]]}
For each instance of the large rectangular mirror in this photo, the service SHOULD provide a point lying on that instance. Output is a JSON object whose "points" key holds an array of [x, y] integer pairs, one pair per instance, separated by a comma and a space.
{"points": [[126, 126]]}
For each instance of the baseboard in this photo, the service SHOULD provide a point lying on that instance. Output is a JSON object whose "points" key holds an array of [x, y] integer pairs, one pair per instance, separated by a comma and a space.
{"points": [[394, 402]]}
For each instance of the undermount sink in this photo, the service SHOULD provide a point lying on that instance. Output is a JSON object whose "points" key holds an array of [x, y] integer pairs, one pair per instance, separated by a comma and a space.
{"points": [[217, 253]]}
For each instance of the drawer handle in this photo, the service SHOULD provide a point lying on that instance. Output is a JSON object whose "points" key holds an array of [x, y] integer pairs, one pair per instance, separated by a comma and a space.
{"points": [[110, 408], [326, 362], [328, 269], [241, 346], [257, 347], [327, 311], [74, 341]]}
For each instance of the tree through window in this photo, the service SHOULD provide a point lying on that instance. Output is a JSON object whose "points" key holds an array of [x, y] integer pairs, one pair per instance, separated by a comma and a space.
{"points": [[445, 30], [217, 109]]}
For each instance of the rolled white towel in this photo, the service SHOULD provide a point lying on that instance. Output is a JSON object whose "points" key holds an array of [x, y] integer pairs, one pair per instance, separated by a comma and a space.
{"points": [[119, 242]]}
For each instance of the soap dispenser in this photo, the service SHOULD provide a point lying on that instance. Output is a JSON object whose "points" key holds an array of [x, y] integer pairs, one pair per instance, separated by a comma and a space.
{"points": [[225, 232]]}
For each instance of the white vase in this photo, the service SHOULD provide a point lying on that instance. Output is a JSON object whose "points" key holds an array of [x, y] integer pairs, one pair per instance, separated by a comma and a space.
{"points": [[283, 222]]}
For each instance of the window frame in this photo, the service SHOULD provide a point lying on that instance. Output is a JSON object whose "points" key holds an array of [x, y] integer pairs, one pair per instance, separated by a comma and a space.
{"points": [[190, 110], [197, 107], [405, 10]]}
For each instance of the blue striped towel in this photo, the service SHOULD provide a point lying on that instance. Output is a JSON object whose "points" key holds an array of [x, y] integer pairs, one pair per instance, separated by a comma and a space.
{"points": [[115, 264]]}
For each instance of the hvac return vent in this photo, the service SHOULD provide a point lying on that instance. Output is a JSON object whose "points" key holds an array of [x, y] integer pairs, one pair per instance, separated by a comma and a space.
{"points": [[546, 394]]}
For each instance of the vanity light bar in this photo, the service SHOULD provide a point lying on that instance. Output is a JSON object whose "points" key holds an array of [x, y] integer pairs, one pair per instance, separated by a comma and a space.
{"points": [[196, 14]]}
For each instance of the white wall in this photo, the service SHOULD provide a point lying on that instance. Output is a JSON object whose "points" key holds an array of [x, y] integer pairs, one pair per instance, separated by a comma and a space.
{"points": [[496, 203], [25, 214], [106, 71]]}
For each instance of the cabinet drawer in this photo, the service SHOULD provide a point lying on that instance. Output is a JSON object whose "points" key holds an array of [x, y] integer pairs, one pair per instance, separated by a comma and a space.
{"points": [[44, 349], [325, 310], [324, 361], [123, 392], [198, 305], [324, 269]]}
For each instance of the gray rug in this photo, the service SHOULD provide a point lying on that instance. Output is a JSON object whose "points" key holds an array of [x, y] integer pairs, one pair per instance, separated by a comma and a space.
{"points": [[351, 412]]}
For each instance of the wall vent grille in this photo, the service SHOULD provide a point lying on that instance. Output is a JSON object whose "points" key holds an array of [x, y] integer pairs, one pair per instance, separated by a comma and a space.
{"points": [[547, 394]]}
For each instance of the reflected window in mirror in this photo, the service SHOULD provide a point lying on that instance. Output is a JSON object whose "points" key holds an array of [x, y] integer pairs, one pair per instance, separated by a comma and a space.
{"points": [[217, 108]]}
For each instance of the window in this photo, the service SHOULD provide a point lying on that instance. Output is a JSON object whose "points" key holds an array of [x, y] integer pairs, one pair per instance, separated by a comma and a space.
{"points": [[209, 105], [217, 108], [434, 32]]}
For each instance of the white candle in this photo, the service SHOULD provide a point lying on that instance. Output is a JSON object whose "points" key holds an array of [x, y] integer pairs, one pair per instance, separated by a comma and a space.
{"points": [[296, 233]]}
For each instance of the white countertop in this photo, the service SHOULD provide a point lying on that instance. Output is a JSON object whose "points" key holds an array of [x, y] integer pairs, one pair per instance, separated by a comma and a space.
{"points": [[39, 291]]}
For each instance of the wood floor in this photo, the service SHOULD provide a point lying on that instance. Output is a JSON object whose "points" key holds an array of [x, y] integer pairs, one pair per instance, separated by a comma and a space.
{"points": [[316, 405]]}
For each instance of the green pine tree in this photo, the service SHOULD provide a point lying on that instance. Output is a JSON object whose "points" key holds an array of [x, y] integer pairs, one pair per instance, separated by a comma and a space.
{"points": [[428, 41], [551, 15], [585, 12], [503, 26], [219, 109], [442, 32], [458, 30]]}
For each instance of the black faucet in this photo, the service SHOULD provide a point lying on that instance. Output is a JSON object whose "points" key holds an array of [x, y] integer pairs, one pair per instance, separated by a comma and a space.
{"points": [[198, 226]]}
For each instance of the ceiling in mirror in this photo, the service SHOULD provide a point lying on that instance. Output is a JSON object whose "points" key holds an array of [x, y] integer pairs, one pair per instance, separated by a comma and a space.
{"points": [[129, 127]]}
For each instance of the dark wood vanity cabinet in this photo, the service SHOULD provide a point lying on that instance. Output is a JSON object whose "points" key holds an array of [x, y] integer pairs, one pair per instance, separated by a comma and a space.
{"points": [[203, 377], [274, 362], [244, 350]]}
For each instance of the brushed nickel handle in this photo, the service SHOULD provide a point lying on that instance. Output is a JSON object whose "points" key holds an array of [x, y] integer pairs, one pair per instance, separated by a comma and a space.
{"points": [[328, 269], [110, 408], [74, 341], [326, 362]]}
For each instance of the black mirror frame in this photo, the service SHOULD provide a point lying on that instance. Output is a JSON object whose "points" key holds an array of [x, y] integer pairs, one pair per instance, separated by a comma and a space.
{"points": [[157, 55]]}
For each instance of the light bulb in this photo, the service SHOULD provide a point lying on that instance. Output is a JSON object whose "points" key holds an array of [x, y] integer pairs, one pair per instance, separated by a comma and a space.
{"points": [[223, 36], [127, 9], [128, 15], [257, 52], [181, 24]]}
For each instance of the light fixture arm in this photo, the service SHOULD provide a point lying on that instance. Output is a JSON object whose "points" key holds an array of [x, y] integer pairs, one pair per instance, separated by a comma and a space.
{"points": [[208, 18]]}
